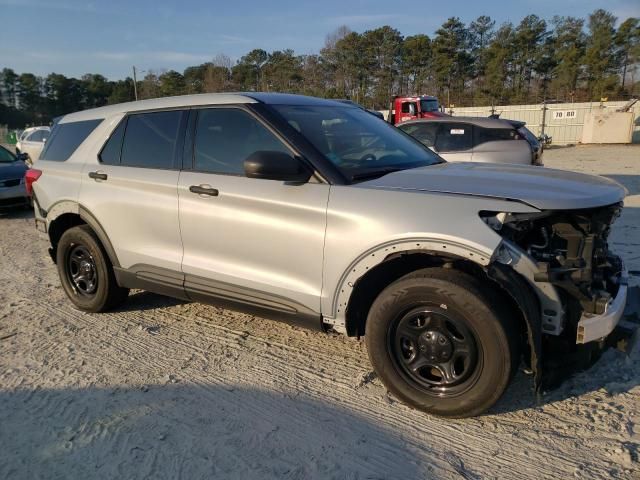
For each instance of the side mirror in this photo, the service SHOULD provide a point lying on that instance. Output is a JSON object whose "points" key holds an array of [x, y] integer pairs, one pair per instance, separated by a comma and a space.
{"points": [[272, 165], [22, 157], [412, 109]]}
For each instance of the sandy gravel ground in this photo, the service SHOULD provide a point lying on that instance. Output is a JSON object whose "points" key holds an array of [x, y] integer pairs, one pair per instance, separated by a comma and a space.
{"points": [[167, 389]]}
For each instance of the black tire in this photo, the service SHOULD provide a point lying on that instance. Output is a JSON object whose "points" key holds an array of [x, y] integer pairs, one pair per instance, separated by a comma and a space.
{"points": [[91, 285], [449, 316]]}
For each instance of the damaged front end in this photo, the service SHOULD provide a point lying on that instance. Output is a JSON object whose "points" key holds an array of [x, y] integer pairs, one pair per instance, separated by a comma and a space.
{"points": [[565, 258]]}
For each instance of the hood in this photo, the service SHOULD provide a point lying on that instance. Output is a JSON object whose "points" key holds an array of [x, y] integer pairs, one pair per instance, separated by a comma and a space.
{"points": [[542, 188], [9, 171]]}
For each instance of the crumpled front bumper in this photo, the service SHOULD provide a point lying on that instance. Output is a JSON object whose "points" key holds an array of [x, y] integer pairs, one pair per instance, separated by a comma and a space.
{"points": [[594, 327]]}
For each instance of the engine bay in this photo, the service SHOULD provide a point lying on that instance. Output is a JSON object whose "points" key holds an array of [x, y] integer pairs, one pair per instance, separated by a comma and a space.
{"points": [[571, 251]]}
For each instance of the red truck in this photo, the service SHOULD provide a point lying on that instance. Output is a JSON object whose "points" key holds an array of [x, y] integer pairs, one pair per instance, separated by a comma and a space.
{"points": [[410, 108]]}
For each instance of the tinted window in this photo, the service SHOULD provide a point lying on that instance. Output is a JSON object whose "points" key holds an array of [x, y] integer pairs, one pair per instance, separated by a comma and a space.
{"points": [[483, 135], [226, 137], [406, 107], [425, 133], [110, 154], [151, 139], [37, 136], [66, 138], [6, 156], [454, 137], [355, 141], [429, 105]]}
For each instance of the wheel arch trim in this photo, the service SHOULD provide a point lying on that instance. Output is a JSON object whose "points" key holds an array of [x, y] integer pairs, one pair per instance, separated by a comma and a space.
{"points": [[68, 206], [378, 254]]}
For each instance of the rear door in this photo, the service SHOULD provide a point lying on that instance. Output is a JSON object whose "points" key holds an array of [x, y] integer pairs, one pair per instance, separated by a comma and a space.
{"points": [[500, 145], [454, 141], [253, 241], [130, 189]]}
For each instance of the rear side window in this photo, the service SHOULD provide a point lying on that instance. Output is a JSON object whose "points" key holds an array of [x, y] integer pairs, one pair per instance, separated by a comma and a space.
{"points": [[484, 135], [110, 154], [66, 138], [454, 137], [226, 137], [151, 139]]}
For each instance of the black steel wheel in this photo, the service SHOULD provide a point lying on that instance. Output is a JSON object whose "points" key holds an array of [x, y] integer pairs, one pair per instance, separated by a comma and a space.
{"points": [[435, 349], [86, 273], [442, 342], [81, 269]]}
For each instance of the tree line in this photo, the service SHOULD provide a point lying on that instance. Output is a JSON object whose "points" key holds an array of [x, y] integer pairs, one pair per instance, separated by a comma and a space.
{"points": [[566, 58]]}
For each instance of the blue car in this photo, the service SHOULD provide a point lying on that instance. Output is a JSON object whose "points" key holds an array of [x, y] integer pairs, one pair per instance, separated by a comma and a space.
{"points": [[13, 191]]}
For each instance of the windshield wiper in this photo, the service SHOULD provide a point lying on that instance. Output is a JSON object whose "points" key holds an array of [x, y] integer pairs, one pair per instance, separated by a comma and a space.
{"points": [[375, 173]]}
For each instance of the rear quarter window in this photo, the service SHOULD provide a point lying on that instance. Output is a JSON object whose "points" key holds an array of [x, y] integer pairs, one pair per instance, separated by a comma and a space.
{"points": [[66, 138], [484, 135]]}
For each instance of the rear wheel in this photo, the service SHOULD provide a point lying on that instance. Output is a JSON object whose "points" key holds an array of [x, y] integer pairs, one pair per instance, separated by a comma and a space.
{"points": [[440, 344], [86, 273]]}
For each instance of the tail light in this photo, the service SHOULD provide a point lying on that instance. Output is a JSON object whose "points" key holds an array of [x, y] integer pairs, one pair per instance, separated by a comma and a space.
{"points": [[30, 177]]}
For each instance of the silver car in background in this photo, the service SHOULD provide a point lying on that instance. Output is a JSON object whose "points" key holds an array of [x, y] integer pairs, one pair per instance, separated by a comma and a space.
{"points": [[468, 139]]}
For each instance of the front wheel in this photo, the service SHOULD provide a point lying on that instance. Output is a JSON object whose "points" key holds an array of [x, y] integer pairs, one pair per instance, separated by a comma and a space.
{"points": [[86, 273], [440, 344]]}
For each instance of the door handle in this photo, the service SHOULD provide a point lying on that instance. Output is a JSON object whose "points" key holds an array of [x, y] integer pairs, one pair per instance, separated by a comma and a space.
{"points": [[204, 190], [98, 175]]}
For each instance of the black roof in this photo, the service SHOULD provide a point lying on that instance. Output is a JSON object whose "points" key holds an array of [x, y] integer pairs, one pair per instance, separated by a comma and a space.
{"points": [[291, 99]]}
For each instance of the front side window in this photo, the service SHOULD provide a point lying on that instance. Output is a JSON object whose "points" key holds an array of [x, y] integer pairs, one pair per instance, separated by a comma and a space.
{"points": [[356, 142], [225, 137], [425, 133], [66, 138], [151, 139], [408, 107], [454, 137]]}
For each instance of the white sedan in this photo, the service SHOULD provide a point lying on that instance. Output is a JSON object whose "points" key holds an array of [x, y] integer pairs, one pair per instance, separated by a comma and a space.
{"points": [[31, 143]]}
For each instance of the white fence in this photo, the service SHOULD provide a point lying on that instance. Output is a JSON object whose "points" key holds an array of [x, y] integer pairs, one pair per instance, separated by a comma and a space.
{"points": [[562, 121]]}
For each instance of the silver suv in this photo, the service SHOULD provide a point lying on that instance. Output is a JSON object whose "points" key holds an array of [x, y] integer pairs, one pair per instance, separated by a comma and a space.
{"points": [[470, 139], [317, 213]]}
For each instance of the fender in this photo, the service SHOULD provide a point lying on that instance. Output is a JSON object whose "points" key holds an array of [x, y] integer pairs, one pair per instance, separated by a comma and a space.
{"points": [[69, 206], [60, 208], [379, 253]]}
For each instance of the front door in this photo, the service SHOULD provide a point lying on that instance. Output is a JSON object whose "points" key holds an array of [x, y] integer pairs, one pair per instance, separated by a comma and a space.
{"points": [[252, 241]]}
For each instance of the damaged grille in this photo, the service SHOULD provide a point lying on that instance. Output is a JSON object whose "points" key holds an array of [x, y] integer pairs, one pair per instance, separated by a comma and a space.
{"points": [[572, 253]]}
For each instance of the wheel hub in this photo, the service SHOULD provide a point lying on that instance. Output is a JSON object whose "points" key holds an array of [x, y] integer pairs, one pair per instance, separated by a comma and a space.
{"points": [[81, 270], [435, 349], [436, 346]]}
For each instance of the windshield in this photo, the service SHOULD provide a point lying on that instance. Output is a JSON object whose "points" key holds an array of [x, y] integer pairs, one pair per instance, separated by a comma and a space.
{"points": [[429, 105], [6, 156], [358, 143]]}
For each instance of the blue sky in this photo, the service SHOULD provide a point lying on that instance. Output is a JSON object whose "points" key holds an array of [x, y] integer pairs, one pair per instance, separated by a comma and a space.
{"points": [[75, 37]]}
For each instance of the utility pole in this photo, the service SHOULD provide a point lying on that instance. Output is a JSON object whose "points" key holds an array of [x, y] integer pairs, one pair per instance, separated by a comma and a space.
{"points": [[135, 83]]}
